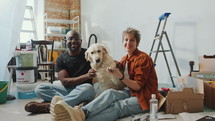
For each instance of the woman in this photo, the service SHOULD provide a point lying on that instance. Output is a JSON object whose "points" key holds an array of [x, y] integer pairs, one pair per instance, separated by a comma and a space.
{"points": [[139, 76]]}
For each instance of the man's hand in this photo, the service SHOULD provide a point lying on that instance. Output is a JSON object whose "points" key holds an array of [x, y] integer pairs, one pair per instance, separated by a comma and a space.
{"points": [[91, 73]]}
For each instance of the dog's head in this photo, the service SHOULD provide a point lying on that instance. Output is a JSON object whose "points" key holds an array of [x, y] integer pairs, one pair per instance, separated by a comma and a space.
{"points": [[96, 53]]}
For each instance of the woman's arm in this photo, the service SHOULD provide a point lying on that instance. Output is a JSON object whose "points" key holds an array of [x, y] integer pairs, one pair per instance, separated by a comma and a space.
{"points": [[130, 83]]}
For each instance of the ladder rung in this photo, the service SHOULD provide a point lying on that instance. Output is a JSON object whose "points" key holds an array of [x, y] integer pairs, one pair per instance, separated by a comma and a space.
{"points": [[28, 19], [28, 7], [161, 51], [173, 77], [157, 37], [29, 31]]}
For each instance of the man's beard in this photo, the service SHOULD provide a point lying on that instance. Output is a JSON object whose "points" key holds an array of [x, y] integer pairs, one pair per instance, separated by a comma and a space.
{"points": [[72, 49]]}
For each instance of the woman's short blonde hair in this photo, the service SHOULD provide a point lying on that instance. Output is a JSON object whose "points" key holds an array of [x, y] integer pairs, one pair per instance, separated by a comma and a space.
{"points": [[134, 32]]}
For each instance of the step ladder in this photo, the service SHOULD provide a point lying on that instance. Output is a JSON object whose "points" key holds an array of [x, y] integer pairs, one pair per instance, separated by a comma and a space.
{"points": [[160, 48], [32, 21]]}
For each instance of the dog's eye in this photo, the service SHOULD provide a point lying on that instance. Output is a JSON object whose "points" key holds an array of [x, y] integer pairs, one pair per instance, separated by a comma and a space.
{"points": [[91, 53], [99, 51]]}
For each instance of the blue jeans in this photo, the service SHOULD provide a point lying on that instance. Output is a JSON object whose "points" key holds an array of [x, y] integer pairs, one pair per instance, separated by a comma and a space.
{"points": [[111, 105], [73, 95]]}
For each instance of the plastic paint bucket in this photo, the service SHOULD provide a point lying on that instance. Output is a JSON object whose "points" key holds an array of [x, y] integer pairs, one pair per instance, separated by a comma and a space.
{"points": [[3, 91], [26, 91]]}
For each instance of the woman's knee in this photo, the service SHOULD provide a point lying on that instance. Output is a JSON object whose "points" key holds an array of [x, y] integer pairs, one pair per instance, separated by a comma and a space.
{"points": [[110, 91]]}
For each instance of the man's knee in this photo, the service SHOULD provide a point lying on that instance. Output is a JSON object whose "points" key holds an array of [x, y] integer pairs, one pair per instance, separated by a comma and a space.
{"points": [[40, 88], [87, 87]]}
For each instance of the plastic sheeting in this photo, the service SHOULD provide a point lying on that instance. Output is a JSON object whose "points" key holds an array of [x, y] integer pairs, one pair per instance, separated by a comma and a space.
{"points": [[12, 13]]}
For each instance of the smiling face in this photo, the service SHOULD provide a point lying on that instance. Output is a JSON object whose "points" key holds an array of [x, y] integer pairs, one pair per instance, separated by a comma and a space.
{"points": [[96, 53], [129, 43], [131, 40], [73, 41]]}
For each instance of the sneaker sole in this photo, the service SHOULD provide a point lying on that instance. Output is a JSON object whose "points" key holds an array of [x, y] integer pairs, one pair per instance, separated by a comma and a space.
{"points": [[54, 101], [64, 112]]}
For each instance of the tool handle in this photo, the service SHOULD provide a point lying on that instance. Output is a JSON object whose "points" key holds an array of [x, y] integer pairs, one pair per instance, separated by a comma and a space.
{"points": [[209, 56], [165, 15]]}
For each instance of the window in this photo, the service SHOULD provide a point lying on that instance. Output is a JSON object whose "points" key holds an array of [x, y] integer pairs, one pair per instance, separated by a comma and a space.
{"points": [[28, 30]]}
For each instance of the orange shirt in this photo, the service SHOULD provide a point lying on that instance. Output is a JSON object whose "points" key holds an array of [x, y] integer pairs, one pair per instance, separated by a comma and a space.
{"points": [[141, 69]]}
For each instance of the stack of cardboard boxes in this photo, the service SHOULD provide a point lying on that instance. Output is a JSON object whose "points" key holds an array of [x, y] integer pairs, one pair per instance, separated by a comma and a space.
{"points": [[187, 100], [187, 97], [207, 73]]}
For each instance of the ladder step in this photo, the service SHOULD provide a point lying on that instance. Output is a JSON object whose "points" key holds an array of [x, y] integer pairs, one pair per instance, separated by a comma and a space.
{"points": [[157, 37], [161, 51], [31, 20], [174, 76], [28, 19], [28, 31]]}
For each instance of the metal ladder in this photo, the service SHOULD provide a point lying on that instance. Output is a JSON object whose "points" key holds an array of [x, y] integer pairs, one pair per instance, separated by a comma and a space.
{"points": [[32, 20], [158, 37]]}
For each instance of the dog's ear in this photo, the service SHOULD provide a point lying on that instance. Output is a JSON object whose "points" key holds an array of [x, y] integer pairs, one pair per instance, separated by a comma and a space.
{"points": [[87, 56], [104, 50]]}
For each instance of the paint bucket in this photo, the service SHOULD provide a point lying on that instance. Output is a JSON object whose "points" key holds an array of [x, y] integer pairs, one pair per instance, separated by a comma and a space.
{"points": [[26, 91], [3, 91]]}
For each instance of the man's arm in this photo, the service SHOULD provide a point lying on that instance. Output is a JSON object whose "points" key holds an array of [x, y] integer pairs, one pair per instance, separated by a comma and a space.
{"points": [[73, 81]]}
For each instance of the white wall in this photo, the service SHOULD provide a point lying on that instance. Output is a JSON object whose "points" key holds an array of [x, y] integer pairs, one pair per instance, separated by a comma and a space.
{"points": [[190, 27]]}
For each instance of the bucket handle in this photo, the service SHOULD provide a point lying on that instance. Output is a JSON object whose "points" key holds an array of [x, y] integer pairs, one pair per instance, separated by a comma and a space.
{"points": [[4, 88]]}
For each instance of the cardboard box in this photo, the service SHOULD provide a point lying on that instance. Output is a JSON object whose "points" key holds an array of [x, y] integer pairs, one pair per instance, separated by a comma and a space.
{"points": [[209, 87], [184, 101], [206, 64], [208, 76], [209, 90], [54, 30]]}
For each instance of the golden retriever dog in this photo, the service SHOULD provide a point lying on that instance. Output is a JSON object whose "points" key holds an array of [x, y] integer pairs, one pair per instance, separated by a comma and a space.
{"points": [[100, 60]]}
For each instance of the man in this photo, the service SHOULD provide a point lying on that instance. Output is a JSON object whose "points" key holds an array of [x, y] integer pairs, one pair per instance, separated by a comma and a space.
{"points": [[75, 75]]}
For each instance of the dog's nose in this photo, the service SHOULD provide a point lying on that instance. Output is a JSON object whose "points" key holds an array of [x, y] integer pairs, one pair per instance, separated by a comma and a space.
{"points": [[97, 60]]}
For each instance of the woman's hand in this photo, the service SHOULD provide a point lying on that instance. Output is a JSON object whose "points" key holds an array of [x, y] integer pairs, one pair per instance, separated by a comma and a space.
{"points": [[119, 65], [115, 71]]}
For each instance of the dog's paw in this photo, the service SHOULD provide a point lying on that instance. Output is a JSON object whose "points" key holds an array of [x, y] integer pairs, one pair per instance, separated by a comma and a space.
{"points": [[110, 70]]}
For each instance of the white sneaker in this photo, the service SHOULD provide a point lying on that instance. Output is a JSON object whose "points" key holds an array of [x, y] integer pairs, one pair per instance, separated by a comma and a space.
{"points": [[64, 112], [54, 101]]}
